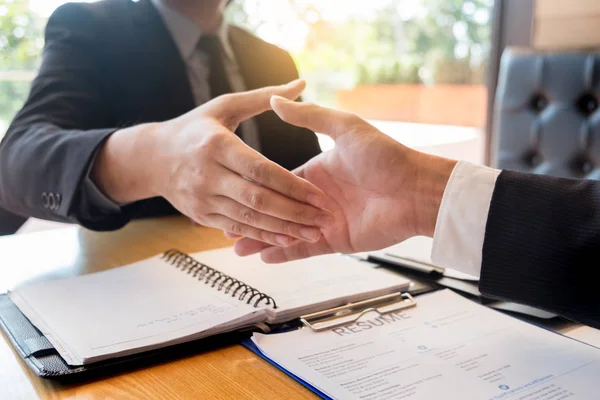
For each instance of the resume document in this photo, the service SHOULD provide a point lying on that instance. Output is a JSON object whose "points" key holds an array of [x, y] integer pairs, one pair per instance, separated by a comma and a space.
{"points": [[447, 347]]}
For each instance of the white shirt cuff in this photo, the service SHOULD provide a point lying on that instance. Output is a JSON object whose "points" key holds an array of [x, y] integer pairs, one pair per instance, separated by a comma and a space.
{"points": [[460, 227]]}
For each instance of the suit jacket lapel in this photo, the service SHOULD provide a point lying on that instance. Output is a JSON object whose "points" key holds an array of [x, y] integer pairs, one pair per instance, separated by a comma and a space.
{"points": [[167, 67], [251, 65]]}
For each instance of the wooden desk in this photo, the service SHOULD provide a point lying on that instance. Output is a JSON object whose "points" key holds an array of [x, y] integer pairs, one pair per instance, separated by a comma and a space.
{"points": [[230, 372]]}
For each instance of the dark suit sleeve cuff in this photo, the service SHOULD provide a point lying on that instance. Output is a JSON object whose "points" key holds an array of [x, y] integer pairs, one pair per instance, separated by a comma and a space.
{"points": [[93, 196], [540, 235], [91, 208]]}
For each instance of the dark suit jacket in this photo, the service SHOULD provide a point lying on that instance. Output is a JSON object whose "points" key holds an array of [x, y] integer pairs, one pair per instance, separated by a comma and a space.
{"points": [[109, 65], [542, 245]]}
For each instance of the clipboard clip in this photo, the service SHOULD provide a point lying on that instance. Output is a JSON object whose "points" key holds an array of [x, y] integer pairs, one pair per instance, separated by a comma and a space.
{"points": [[343, 315]]}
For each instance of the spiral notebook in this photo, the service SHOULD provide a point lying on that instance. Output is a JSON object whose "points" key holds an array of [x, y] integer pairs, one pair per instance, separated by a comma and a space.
{"points": [[175, 298]]}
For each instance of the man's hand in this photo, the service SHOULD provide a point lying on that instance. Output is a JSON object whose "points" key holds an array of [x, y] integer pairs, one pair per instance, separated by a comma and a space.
{"points": [[381, 191], [199, 165]]}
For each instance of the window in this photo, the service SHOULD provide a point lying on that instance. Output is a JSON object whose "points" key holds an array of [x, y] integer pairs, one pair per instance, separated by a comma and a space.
{"points": [[21, 41], [414, 68]]}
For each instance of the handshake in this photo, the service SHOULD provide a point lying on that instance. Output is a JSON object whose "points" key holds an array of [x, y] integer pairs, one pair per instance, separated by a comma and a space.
{"points": [[376, 191], [369, 192]]}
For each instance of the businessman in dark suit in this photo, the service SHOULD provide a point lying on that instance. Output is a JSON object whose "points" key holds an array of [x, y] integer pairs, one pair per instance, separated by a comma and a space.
{"points": [[120, 124], [530, 239]]}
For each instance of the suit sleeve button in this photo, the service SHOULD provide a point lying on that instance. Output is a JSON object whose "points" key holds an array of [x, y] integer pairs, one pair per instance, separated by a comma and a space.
{"points": [[45, 200], [52, 201]]}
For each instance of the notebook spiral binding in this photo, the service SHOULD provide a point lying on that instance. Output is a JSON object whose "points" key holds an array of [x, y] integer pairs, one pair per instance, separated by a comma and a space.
{"points": [[217, 279]]}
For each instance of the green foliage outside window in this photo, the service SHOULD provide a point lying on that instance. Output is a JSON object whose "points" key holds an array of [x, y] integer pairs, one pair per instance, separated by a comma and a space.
{"points": [[21, 40], [447, 42]]}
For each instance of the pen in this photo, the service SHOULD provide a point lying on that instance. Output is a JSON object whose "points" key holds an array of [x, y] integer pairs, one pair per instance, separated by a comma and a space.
{"points": [[408, 264]]}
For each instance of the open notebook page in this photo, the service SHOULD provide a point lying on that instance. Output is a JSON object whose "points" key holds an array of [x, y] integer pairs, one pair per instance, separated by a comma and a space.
{"points": [[145, 305], [305, 286]]}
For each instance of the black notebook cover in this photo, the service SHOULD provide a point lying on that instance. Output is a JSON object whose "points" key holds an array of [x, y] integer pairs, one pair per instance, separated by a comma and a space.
{"points": [[44, 360]]}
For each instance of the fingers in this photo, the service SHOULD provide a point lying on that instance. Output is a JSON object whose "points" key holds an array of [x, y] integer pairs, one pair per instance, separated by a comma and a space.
{"points": [[237, 228], [298, 250], [273, 255], [245, 247], [249, 163], [316, 118], [247, 216], [268, 202], [238, 107]]}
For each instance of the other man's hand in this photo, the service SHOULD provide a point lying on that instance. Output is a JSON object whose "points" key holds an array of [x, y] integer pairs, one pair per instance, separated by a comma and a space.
{"points": [[200, 166], [381, 191]]}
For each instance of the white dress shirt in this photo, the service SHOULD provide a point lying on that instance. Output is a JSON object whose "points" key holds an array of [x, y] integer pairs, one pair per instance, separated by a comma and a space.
{"points": [[460, 227]]}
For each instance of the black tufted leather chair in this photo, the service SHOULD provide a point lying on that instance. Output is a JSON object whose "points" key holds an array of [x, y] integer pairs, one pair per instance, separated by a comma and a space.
{"points": [[547, 114]]}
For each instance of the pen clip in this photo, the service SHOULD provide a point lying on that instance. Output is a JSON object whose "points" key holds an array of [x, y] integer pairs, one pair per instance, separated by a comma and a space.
{"points": [[343, 315]]}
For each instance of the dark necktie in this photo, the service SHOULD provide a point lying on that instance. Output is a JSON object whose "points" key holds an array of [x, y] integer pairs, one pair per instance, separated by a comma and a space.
{"points": [[217, 76]]}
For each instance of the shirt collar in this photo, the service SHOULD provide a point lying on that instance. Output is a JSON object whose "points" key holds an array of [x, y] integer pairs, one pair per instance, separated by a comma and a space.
{"points": [[186, 33]]}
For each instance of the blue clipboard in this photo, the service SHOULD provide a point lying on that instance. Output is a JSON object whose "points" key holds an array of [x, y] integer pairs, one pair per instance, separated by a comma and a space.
{"points": [[249, 344], [327, 319]]}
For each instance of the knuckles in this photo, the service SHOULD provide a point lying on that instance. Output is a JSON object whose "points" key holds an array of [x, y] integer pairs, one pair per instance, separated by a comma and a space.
{"points": [[201, 176], [248, 216], [212, 144], [254, 198], [302, 216], [201, 183], [259, 171], [235, 228], [199, 216], [287, 228], [263, 236]]}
